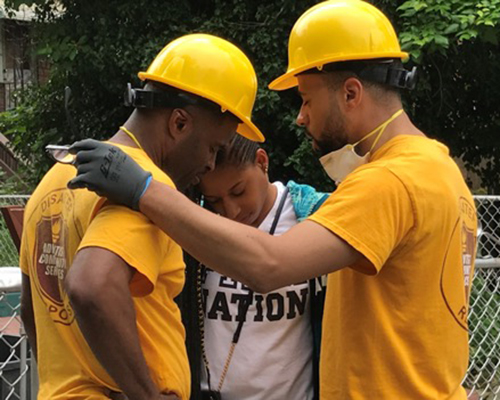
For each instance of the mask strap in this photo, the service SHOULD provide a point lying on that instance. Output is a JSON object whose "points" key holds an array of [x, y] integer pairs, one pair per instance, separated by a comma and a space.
{"points": [[385, 125], [380, 129]]}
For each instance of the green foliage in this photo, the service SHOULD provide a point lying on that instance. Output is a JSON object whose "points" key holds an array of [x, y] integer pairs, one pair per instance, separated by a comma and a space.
{"points": [[8, 255], [455, 44], [435, 26], [96, 47]]}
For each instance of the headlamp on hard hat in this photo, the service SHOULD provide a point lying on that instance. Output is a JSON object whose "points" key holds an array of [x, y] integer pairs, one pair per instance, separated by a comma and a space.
{"points": [[145, 98], [390, 75], [385, 72]]}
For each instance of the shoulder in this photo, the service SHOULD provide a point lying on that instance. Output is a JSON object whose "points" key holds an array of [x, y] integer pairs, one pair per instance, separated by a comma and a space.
{"points": [[420, 164], [141, 158], [408, 156], [369, 190], [372, 180]]}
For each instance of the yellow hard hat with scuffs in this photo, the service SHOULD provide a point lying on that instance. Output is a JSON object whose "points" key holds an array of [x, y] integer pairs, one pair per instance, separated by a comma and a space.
{"points": [[214, 69], [336, 31]]}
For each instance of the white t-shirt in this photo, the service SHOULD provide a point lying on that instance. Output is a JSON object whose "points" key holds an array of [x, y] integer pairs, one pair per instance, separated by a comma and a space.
{"points": [[273, 357]]}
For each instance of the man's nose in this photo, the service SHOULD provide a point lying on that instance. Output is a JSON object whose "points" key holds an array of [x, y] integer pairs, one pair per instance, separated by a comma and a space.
{"points": [[301, 119], [231, 209]]}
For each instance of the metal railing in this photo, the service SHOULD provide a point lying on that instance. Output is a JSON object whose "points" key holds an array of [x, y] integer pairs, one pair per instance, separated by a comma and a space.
{"points": [[7, 159], [483, 376], [15, 379], [14, 367]]}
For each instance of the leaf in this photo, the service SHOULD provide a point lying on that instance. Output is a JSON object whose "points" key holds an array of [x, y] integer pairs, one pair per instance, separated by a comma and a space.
{"points": [[441, 41], [453, 28]]}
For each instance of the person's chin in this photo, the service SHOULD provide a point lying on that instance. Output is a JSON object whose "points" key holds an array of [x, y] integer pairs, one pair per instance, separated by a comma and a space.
{"points": [[315, 148], [191, 182], [196, 181], [318, 150], [182, 185]]}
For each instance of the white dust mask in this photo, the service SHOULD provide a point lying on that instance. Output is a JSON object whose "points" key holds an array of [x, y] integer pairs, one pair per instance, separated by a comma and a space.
{"points": [[340, 163]]}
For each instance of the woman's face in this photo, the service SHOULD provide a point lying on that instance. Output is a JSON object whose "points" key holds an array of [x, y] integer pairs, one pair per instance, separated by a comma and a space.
{"points": [[239, 193]]}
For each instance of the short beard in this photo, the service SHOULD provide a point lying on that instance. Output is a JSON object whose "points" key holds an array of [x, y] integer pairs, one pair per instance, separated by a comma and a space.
{"points": [[333, 136]]}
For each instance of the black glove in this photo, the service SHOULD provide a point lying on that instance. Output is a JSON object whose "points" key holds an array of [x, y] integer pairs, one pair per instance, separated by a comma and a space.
{"points": [[108, 171]]}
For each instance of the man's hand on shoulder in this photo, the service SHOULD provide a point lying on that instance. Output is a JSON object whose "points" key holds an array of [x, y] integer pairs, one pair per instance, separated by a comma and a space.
{"points": [[108, 171]]}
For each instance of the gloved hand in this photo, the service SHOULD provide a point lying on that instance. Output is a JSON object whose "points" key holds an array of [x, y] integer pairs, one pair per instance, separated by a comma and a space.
{"points": [[108, 171]]}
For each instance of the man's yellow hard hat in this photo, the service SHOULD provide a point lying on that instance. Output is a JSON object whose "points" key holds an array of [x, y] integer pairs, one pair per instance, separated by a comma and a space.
{"points": [[214, 69], [335, 31]]}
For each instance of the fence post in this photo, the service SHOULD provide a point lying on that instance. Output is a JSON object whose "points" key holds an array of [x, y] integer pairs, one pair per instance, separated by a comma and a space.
{"points": [[23, 368], [33, 378]]}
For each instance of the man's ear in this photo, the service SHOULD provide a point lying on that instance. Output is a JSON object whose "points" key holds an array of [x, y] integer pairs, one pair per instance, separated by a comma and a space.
{"points": [[353, 91], [180, 124]]}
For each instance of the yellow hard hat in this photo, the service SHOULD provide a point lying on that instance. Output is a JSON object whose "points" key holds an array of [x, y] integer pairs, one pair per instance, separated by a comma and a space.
{"points": [[212, 68], [335, 31]]}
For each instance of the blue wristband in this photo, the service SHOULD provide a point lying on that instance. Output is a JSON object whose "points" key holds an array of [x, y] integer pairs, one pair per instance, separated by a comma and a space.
{"points": [[148, 182]]}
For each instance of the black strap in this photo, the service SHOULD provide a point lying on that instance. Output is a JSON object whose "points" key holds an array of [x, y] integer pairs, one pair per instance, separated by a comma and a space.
{"points": [[278, 212], [389, 75], [246, 304], [143, 98], [380, 71]]}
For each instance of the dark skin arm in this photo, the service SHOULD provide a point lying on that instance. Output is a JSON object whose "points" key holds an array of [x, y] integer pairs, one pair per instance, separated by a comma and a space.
{"points": [[27, 314], [98, 287]]}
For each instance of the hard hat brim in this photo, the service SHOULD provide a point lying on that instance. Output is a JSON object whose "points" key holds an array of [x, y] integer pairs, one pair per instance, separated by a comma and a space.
{"points": [[246, 128], [289, 79]]}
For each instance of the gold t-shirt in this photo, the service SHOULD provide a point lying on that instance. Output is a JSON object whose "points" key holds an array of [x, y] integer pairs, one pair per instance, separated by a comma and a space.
{"points": [[395, 327], [59, 222]]}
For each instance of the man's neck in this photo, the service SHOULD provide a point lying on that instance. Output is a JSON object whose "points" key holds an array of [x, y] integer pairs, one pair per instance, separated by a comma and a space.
{"points": [[401, 125], [138, 128]]}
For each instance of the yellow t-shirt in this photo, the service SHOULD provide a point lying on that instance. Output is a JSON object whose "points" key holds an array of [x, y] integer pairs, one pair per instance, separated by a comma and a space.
{"points": [[396, 327], [58, 222]]}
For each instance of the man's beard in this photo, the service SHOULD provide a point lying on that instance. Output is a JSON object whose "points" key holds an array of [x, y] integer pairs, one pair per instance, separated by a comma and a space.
{"points": [[333, 136]]}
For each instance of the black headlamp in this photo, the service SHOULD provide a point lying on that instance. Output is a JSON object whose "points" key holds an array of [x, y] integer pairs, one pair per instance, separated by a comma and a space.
{"points": [[143, 98], [383, 72], [390, 75]]}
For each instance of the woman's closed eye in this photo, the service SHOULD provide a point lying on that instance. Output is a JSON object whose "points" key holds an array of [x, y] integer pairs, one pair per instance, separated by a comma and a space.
{"points": [[238, 193], [211, 200]]}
